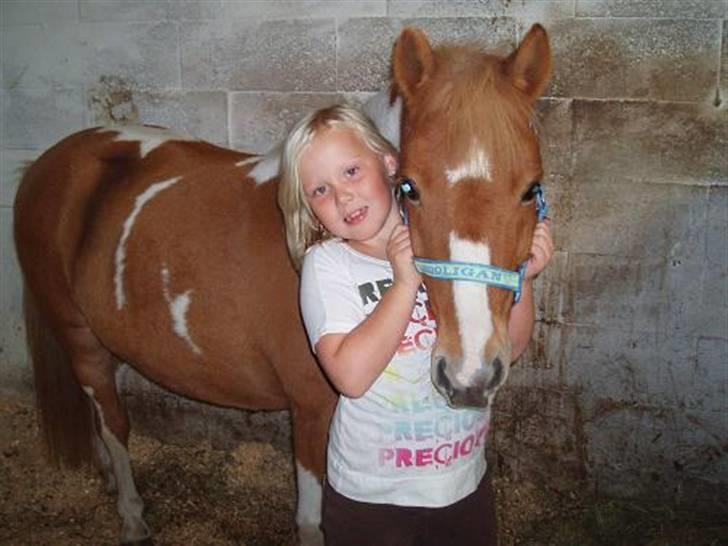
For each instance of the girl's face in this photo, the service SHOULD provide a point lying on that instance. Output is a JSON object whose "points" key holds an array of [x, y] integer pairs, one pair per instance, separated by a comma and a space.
{"points": [[346, 186]]}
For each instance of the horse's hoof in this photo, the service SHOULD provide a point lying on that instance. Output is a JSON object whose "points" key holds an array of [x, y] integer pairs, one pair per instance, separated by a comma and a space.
{"points": [[143, 542], [310, 536]]}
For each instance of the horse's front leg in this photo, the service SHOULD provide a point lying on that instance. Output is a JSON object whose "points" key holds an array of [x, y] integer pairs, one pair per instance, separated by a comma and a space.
{"points": [[310, 432], [113, 428]]}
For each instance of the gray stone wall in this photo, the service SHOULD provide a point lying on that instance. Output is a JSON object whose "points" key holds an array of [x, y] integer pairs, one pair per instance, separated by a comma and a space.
{"points": [[626, 383]]}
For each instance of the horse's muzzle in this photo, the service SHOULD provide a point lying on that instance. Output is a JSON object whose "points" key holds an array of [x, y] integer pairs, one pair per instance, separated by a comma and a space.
{"points": [[479, 390]]}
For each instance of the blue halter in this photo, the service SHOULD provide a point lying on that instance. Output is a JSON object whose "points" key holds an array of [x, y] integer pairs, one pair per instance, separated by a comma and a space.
{"points": [[473, 272]]}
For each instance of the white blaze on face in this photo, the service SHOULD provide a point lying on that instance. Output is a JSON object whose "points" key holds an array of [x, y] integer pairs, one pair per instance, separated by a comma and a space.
{"points": [[120, 255], [476, 166], [178, 306], [149, 138], [471, 307]]}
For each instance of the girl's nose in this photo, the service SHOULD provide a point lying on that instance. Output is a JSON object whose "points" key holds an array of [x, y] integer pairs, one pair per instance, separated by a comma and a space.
{"points": [[344, 195]]}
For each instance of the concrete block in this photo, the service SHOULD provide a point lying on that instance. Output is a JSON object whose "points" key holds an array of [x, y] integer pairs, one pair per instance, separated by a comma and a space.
{"points": [[123, 10], [678, 9], [661, 59], [541, 10], [259, 121], [551, 287], [721, 98], [68, 55], [15, 376], [555, 124], [295, 9], [158, 10], [633, 368], [545, 360], [196, 10], [711, 371], [38, 118], [621, 293], [365, 45], [202, 114], [22, 12], [663, 142], [710, 312], [652, 223], [537, 433], [259, 55], [12, 164], [639, 450]]}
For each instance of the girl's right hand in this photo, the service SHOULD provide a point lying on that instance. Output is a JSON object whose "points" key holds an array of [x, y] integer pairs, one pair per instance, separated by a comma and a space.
{"points": [[399, 254]]}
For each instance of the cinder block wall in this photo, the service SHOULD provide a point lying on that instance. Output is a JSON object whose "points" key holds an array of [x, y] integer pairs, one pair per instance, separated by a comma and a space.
{"points": [[625, 386]]}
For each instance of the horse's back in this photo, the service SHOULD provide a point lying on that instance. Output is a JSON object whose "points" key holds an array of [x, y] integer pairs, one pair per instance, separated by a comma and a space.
{"points": [[173, 256]]}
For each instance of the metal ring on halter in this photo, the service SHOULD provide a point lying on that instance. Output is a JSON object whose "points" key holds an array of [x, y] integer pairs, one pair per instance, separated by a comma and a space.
{"points": [[467, 271]]}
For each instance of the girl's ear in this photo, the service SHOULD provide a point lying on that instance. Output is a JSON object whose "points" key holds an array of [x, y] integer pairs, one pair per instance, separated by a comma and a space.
{"points": [[390, 164]]}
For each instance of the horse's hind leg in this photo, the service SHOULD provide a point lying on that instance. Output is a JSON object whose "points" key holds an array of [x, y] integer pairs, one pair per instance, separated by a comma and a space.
{"points": [[95, 369]]}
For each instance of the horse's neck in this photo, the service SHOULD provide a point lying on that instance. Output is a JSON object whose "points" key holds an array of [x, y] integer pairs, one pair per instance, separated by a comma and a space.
{"points": [[385, 116]]}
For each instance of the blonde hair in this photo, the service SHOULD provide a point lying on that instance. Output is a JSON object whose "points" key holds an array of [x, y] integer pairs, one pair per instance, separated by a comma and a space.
{"points": [[302, 227]]}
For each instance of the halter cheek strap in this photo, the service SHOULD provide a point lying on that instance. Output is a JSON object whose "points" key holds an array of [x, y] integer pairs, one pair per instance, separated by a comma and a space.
{"points": [[475, 272]]}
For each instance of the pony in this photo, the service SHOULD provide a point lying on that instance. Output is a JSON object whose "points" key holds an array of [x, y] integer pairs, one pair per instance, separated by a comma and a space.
{"points": [[167, 253]]}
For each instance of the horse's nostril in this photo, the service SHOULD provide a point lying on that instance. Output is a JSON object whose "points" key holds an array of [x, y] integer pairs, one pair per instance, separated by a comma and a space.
{"points": [[497, 374], [441, 376]]}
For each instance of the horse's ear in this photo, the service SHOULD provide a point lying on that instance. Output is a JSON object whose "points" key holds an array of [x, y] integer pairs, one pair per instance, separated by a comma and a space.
{"points": [[412, 62], [529, 66]]}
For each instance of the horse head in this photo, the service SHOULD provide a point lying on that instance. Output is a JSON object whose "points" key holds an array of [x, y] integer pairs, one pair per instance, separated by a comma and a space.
{"points": [[471, 159]]}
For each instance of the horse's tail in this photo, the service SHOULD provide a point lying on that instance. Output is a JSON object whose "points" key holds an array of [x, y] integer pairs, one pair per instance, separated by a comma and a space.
{"points": [[64, 411]]}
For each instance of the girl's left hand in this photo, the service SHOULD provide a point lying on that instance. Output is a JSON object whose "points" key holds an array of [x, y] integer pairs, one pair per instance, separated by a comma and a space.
{"points": [[542, 249]]}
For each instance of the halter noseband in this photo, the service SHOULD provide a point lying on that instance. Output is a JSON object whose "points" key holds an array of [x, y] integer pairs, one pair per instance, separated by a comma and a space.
{"points": [[467, 271]]}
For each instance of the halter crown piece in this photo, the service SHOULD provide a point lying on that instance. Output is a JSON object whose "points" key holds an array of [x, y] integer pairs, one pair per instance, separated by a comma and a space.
{"points": [[467, 271]]}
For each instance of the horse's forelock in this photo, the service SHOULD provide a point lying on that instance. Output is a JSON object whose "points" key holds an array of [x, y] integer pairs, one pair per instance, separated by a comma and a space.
{"points": [[476, 102]]}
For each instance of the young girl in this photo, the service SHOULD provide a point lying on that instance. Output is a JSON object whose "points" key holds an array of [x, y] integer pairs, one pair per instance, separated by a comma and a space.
{"points": [[398, 470]]}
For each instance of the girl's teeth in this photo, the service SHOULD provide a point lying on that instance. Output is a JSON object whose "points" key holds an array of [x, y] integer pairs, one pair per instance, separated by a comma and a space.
{"points": [[355, 216]]}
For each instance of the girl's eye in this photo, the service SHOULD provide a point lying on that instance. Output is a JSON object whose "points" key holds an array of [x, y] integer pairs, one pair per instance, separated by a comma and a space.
{"points": [[318, 191], [351, 171], [530, 193]]}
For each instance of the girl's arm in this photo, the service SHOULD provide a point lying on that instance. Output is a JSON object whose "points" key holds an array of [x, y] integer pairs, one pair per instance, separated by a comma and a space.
{"points": [[520, 324], [353, 361]]}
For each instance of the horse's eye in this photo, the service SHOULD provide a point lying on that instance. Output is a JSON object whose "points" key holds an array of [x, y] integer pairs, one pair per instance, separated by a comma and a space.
{"points": [[530, 194], [408, 189]]}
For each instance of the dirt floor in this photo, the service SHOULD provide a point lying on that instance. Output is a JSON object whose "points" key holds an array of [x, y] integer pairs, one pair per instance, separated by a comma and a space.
{"points": [[207, 497]]}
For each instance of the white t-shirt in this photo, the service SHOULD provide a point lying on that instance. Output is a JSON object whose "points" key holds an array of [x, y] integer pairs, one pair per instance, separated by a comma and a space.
{"points": [[400, 443]]}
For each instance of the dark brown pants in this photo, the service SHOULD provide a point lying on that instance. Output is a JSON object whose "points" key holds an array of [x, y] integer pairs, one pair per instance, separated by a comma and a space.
{"points": [[469, 522]]}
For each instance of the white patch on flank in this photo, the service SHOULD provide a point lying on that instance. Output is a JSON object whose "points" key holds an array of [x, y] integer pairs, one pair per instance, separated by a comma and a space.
{"points": [[268, 167], [387, 117], [120, 256], [129, 504], [149, 138], [477, 166], [310, 493], [471, 307], [178, 306]]}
